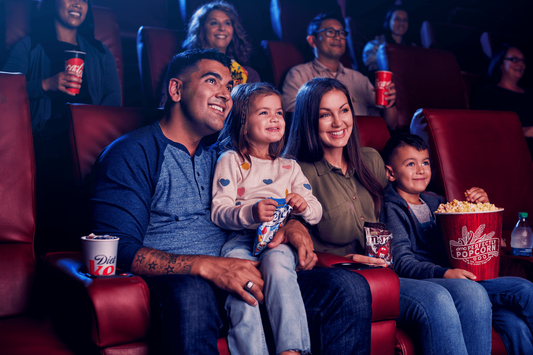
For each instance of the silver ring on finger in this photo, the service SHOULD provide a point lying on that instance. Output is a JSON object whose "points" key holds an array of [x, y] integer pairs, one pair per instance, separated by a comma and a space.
{"points": [[249, 285]]}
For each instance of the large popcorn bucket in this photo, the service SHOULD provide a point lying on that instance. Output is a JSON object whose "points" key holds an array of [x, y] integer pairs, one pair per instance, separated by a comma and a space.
{"points": [[473, 241]]}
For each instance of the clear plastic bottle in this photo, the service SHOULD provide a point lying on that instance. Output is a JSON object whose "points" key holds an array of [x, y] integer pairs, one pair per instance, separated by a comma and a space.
{"points": [[522, 237]]}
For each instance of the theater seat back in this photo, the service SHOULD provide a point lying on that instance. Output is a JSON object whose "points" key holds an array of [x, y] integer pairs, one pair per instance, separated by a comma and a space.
{"points": [[17, 196], [93, 127], [424, 78], [485, 149], [155, 49], [106, 30], [282, 57], [373, 132]]}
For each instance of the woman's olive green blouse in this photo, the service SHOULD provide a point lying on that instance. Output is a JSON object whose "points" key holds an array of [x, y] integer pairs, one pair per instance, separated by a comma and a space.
{"points": [[346, 204]]}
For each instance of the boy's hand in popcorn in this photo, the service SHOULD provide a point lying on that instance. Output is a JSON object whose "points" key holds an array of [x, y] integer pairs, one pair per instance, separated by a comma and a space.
{"points": [[476, 195], [459, 274], [263, 210], [297, 202]]}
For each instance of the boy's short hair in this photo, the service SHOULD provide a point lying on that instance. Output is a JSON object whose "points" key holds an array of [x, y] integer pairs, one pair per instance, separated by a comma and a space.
{"points": [[187, 61], [317, 21], [402, 140]]}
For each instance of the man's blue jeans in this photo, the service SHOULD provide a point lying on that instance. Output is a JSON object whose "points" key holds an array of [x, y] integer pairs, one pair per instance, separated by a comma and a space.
{"points": [[446, 316], [512, 312], [338, 306]]}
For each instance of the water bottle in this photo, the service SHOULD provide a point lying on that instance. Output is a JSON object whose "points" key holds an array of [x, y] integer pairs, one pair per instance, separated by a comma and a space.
{"points": [[522, 237]]}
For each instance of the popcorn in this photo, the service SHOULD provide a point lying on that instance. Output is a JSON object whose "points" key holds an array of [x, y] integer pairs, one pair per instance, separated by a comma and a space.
{"points": [[464, 206]]}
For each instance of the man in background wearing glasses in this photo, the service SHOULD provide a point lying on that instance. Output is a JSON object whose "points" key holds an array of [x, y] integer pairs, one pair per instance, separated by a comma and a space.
{"points": [[326, 34]]}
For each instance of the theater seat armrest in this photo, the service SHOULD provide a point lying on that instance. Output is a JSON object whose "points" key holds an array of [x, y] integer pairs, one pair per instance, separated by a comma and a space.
{"points": [[106, 311], [384, 285]]}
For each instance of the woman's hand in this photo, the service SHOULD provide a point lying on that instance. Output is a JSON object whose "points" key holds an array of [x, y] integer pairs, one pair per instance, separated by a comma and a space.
{"points": [[263, 210], [297, 202], [390, 95], [61, 81], [363, 259], [476, 195], [459, 274]]}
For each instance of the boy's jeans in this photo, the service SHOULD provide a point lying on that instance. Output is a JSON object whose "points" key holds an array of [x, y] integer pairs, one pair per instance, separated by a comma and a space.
{"points": [[512, 312], [455, 314], [446, 316], [283, 300]]}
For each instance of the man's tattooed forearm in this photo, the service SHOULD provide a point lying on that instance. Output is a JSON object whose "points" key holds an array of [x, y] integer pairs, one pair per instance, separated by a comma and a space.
{"points": [[151, 262]]}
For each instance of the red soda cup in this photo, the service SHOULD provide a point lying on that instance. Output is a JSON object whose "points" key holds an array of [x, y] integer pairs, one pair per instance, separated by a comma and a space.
{"points": [[74, 62], [383, 78]]}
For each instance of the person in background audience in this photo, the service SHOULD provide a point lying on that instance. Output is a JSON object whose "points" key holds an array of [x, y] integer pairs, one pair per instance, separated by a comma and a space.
{"points": [[60, 25], [63, 25], [217, 25], [506, 69], [396, 25], [326, 34]]}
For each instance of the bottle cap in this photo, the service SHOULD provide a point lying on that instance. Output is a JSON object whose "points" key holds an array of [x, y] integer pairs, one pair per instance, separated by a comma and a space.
{"points": [[522, 214]]}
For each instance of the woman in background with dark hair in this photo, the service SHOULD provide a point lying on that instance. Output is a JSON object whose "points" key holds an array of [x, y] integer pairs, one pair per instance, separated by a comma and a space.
{"points": [[217, 25], [349, 181], [63, 25], [506, 69], [396, 25], [60, 25]]}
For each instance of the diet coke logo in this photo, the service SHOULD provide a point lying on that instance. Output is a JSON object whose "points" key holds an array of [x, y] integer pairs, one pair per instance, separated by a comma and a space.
{"points": [[475, 248], [78, 69], [98, 265]]}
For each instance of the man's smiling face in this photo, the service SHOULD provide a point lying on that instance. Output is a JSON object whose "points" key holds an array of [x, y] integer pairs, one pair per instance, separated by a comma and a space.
{"points": [[330, 47], [205, 96]]}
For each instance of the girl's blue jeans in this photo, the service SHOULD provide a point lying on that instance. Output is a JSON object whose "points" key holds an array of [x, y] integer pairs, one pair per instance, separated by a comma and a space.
{"points": [[283, 301]]}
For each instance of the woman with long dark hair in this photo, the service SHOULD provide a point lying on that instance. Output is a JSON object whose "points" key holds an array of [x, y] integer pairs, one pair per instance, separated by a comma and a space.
{"points": [[59, 26], [217, 25], [349, 180], [395, 25], [328, 149]]}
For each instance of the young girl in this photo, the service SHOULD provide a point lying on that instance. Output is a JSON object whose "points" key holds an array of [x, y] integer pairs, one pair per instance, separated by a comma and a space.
{"points": [[248, 175]]}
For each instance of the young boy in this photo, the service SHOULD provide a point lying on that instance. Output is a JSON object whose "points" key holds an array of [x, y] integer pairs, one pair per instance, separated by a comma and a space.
{"points": [[419, 252]]}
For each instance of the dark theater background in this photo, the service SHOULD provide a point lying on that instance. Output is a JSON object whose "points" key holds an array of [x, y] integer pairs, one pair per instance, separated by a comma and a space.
{"points": [[455, 25], [48, 306]]}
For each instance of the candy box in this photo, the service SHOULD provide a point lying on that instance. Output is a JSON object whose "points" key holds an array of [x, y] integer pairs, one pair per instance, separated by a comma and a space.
{"points": [[378, 241]]}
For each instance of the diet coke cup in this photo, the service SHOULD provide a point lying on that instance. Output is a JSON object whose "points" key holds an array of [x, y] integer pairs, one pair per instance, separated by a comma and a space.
{"points": [[99, 254], [74, 62], [383, 78]]}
